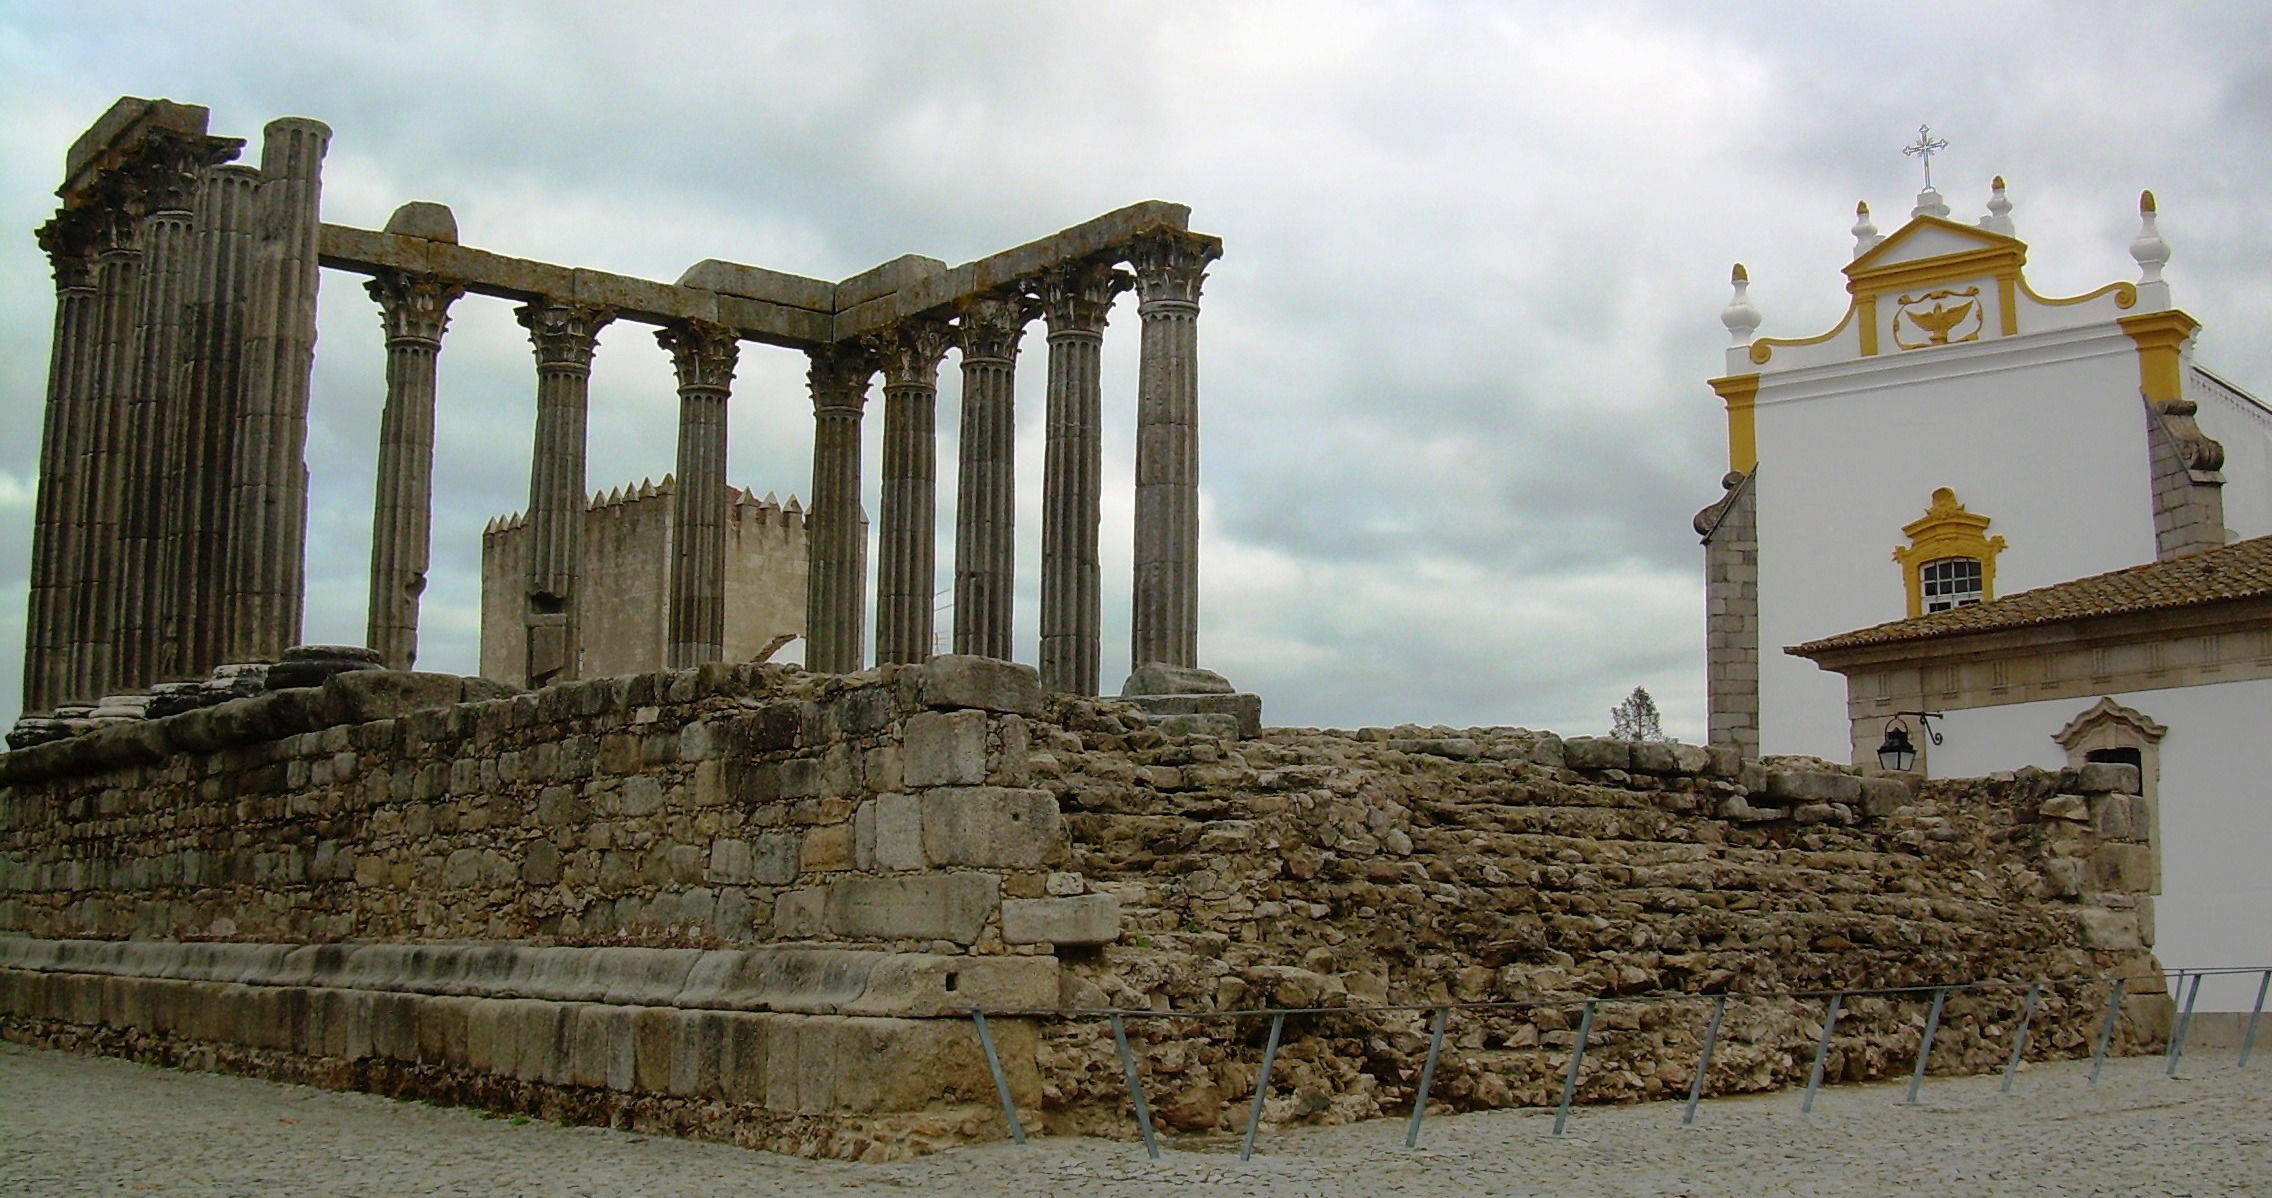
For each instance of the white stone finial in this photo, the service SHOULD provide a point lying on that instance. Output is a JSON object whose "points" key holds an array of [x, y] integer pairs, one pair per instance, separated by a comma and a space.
{"points": [[1866, 235], [1930, 203], [1999, 218], [2151, 253], [1741, 318]]}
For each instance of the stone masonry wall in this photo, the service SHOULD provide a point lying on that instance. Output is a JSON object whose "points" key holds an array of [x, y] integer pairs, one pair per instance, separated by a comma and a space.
{"points": [[1422, 866], [755, 904]]}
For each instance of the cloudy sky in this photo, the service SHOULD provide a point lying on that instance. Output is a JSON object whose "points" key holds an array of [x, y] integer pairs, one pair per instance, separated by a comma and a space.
{"points": [[1454, 359]]}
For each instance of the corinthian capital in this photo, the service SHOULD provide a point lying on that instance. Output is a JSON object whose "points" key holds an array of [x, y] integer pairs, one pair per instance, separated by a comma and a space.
{"points": [[69, 240], [415, 309], [703, 353], [839, 377], [910, 351], [1171, 264], [165, 175], [1077, 296], [989, 326], [564, 334]]}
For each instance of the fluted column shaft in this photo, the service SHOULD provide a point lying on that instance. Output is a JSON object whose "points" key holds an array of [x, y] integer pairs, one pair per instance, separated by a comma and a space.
{"points": [[703, 354], [907, 541], [1170, 268], [268, 526], [564, 337], [145, 591], [212, 383], [100, 491], [415, 311], [55, 532], [836, 540], [987, 331], [1075, 300]]}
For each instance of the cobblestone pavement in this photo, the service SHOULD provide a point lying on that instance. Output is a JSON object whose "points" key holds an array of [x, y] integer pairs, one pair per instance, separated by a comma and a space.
{"points": [[72, 1125]]}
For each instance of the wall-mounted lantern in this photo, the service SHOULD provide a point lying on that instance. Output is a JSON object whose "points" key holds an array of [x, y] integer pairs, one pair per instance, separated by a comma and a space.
{"points": [[1897, 753]]}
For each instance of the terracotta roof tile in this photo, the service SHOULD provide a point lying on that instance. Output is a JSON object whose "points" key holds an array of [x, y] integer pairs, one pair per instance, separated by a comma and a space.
{"points": [[2242, 570]]}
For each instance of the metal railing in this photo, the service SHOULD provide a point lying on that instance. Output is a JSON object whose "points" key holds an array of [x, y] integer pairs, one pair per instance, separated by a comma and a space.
{"points": [[2174, 980]]}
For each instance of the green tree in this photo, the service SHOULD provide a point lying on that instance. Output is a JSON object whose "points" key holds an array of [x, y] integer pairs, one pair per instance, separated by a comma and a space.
{"points": [[1636, 718]]}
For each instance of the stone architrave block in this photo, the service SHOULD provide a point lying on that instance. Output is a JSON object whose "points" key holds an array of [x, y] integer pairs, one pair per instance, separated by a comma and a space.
{"points": [[1082, 919], [1597, 753], [945, 748], [954, 680], [996, 826], [913, 907]]}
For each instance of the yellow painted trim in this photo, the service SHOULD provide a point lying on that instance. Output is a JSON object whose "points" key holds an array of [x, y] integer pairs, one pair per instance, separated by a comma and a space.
{"points": [[1867, 305], [2125, 296], [2161, 338], [2008, 295], [1988, 262], [1946, 530], [1740, 392], [1763, 349]]}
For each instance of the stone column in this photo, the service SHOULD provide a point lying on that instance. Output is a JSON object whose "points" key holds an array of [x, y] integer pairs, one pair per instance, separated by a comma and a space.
{"points": [[836, 584], [908, 541], [56, 534], [100, 492], [212, 382], [1170, 266], [987, 331], [704, 356], [268, 523], [564, 336], [1075, 300], [415, 311], [145, 591]]}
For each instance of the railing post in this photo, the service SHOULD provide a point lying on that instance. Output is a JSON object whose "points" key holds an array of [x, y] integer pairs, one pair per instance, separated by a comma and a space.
{"points": [[1427, 1077], [2106, 1029], [1001, 1083], [1135, 1086], [1925, 1047], [1577, 1059], [2184, 1024], [1262, 1084], [2248, 1041], [2019, 1035], [1821, 1050], [1704, 1062]]}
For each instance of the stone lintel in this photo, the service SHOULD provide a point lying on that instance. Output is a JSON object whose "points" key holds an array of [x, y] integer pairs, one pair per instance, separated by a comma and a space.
{"points": [[758, 283], [368, 251], [1091, 237], [878, 281]]}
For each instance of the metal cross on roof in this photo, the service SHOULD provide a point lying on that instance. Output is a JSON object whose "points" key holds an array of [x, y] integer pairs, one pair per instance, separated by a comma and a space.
{"points": [[1924, 148]]}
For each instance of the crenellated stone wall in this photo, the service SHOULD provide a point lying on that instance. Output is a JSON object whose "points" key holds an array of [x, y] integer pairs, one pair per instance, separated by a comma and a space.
{"points": [[752, 903]]}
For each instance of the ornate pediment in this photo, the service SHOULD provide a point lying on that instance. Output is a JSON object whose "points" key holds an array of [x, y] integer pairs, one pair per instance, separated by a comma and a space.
{"points": [[2105, 714]]}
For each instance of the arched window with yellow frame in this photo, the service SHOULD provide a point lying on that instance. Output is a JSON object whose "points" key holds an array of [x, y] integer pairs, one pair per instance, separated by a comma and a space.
{"points": [[1950, 560]]}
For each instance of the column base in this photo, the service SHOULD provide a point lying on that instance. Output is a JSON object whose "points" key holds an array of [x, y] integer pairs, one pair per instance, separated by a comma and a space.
{"points": [[1164, 693]]}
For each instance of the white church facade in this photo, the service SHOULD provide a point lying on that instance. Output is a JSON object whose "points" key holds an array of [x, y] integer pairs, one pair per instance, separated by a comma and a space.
{"points": [[2039, 471]]}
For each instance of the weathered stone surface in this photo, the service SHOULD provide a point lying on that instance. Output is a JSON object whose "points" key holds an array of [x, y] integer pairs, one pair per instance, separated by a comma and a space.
{"points": [[1078, 920], [1597, 753], [1245, 708], [952, 907], [1160, 678], [945, 748], [2099, 777], [954, 680], [991, 826], [1808, 786]]}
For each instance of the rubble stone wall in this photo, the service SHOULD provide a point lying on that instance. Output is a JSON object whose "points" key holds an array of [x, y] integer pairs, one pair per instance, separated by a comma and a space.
{"points": [[712, 901]]}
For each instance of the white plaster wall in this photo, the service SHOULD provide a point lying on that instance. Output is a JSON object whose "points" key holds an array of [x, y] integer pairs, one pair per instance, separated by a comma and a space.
{"points": [[2246, 433], [2215, 793], [2046, 436]]}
